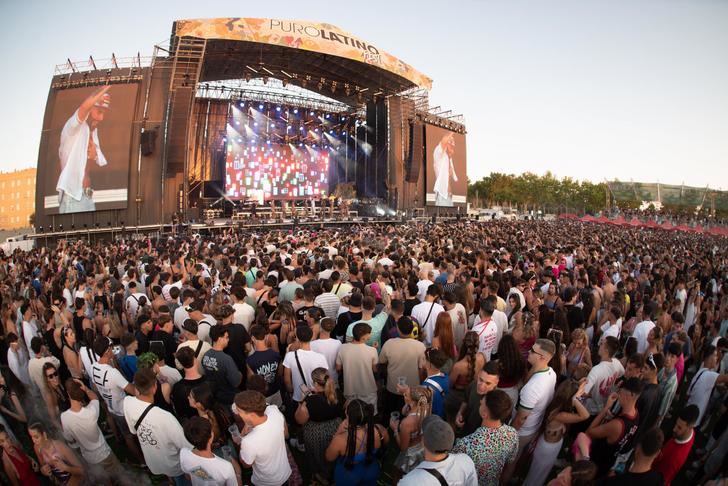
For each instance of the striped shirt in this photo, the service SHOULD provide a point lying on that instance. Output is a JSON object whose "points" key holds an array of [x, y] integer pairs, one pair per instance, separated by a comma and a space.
{"points": [[329, 302]]}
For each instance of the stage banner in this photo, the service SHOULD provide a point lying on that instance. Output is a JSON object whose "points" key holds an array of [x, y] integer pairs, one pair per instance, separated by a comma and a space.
{"points": [[310, 36], [85, 149], [445, 177]]}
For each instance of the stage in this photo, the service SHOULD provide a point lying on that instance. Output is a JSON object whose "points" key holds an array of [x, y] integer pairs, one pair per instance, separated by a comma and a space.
{"points": [[216, 226]]}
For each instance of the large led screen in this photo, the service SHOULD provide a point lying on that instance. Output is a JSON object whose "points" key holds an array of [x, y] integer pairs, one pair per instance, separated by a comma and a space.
{"points": [[275, 171], [446, 178], [85, 151]]}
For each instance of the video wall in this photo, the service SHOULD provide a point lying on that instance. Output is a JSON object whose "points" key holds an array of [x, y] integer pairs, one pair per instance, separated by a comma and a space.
{"points": [[85, 150], [446, 178], [276, 171]]}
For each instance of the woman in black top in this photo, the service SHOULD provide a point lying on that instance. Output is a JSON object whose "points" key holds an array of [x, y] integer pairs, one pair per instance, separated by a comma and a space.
{"points": [[54, 394], [320, 413]]}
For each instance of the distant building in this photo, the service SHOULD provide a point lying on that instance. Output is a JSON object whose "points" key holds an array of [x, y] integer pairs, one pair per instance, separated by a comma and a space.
{"points": [[17, 198]]}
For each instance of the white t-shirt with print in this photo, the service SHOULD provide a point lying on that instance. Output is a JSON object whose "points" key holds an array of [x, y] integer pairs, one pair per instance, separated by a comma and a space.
{"points": [[487, 331], [600, 382], [535, 396], [110, 383], [207, 471], [160, 436]]}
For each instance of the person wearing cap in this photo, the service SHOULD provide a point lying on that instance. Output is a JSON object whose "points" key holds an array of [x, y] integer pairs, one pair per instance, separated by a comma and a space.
{"points": [[440, 465], [190, 340], [79, 149]]}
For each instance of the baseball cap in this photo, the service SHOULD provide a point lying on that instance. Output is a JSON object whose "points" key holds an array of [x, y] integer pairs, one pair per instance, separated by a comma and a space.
{"points": [[104, 102], [437, 435]]}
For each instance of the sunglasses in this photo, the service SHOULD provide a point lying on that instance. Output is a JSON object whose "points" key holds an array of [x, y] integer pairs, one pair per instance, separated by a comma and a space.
{"points": [[52, 375], [535, 352]]}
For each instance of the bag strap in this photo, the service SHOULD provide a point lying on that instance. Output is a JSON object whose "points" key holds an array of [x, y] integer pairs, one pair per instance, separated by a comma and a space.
{"points": [[437, 475], [337, 288], [695, 381], [141, 417], [199, 347], [429, 313], [257, 303], [300, 368]]}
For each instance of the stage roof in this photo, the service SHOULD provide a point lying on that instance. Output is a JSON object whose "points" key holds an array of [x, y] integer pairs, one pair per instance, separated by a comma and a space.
{"points": [[301, 53]]}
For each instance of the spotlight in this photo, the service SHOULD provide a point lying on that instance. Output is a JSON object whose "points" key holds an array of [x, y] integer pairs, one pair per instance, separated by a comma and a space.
{"points": [[278, 108], [50, 228], [40, 229], [242, 103], [260, 107], [60, 227], [312, 113], [295, 111]]}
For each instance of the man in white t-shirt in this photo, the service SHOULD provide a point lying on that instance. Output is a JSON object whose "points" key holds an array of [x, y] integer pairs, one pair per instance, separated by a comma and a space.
{"points": [[425, 313], [702, 384], [486, 329], [642, 329], [81, 429], [309, 360], [135, 300], [423, 285], [201, 464], [40, 357], [327, 346], [263, 445], [613, 325], [113, 387], [601, 378], [79, 150], [180, 313], [244, 312], [458, 316], [160, 435], [536, 394]]}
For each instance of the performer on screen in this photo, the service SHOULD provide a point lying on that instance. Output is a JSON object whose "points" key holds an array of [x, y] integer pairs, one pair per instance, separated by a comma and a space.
{"points": [[78, 151], [442, 161]]}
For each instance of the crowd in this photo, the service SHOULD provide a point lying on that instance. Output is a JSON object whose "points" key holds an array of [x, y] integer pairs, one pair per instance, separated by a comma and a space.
{"points": [[457, 353]]}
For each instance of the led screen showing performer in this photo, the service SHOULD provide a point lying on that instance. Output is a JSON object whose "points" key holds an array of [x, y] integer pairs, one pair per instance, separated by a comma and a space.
{"points": [[446, 174], [85, 149], [276, 171]]}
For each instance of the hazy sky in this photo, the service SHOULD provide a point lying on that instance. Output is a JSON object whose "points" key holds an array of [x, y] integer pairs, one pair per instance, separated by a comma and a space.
{"points": [[631, 89]]}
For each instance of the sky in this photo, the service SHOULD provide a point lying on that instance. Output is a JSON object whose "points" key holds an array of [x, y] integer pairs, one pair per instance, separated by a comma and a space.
{"points": [[595, 90]]}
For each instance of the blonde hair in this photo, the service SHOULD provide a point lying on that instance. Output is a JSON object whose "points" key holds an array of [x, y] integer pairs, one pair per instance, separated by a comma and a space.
{"points": [[422, 396], [578, 334], [321, 376]]}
